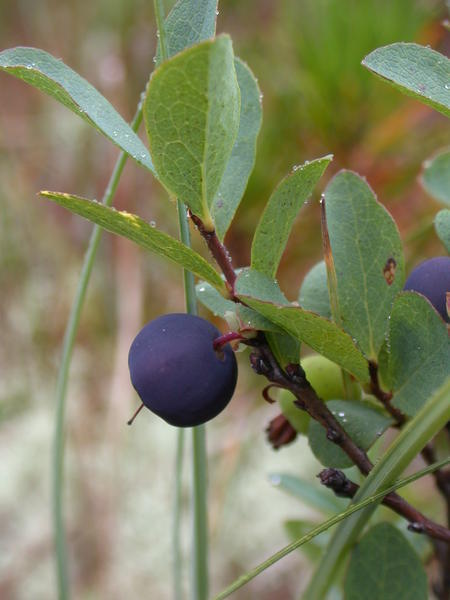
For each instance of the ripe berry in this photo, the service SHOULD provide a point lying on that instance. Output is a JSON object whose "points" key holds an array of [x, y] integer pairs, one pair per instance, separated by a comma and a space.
{"points": [[176, 371], [432, 279]]}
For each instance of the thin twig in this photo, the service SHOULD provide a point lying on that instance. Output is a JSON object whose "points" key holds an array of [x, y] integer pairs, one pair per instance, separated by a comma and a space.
{"points": [[344, 487], [382, 396], [218, 251]]}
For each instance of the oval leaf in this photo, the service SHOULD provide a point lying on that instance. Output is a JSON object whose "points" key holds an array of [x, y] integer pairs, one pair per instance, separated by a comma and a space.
{"points": [[139, 231], [276, 222], [191, 113], [323, 336], [363, 424], [436, 177], [415, 70], [386, 567], [56, 79], [188, 23], [442, 225], [313, 293], [368, 259], [242, 159], [419, 351]]}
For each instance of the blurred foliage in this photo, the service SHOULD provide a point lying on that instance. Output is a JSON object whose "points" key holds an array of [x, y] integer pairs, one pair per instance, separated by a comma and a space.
{"points": [[317, 99]]}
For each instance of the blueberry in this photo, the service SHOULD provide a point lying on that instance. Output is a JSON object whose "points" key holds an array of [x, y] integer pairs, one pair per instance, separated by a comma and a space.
{"points": [[176, 371], [432, 279]]}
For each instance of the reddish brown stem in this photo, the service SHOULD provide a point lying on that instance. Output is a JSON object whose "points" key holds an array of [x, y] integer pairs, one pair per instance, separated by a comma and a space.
{"points": [[384, 397], [218, 251], [342, 486], [294, 380]]}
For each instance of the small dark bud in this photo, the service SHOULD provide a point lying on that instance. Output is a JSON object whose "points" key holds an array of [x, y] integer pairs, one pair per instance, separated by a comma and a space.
{"points": [[296, 373], [338, 482], [280, 432], [259, 365]]}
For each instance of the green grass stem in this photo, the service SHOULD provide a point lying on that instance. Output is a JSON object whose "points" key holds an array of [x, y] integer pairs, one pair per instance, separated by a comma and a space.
{"points": [[63, 376]]}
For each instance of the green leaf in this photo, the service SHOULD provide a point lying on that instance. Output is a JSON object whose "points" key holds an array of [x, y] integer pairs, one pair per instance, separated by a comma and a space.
{"points": [[386, 567], [436, 177], [137, 230], [253, 283], [368, 259], [313, 293], [416, 71], [363, 424], [412, 438], [188, 23], [56, 79], [285, 348], [276, 222], [213, 300], [323, 336], [313, 495], [220, 306], [442, 225], [242, 159], [191, 113], [419, 349]]}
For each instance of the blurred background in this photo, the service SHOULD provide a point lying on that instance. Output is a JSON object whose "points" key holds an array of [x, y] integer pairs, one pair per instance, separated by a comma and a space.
{"points": [[318, 99]]}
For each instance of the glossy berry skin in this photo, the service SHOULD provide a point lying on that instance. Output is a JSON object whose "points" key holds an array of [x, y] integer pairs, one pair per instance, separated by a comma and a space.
{"points": [[176, 371], [432, 279]]}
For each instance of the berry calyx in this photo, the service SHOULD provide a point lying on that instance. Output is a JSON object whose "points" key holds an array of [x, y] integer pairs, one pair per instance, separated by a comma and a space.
{"points": [[177, 372]]}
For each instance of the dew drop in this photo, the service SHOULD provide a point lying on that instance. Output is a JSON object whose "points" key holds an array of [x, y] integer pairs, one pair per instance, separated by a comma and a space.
{"points": [[154, 59], [28, 67], [217, 13], [152, 224], [157, 34], [201, 289], [341, 414], [447, 86], [143, 155], [115, 134], [261, 96]]}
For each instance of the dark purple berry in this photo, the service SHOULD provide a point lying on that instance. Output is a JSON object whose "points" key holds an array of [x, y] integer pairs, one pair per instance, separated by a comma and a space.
{"points": [[176, 371], [432, 279]]}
